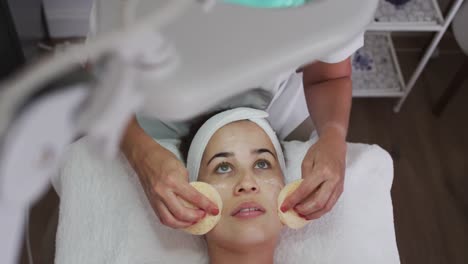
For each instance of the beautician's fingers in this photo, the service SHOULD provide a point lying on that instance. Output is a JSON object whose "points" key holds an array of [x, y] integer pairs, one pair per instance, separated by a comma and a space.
{"points": [[181, 212], [190, 194], [316, 201], [167, 218], [330, 204], [307, 187]]}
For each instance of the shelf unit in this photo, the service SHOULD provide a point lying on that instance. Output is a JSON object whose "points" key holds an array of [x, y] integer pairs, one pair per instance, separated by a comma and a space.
{"points": [[376, 71], [379, 74]]}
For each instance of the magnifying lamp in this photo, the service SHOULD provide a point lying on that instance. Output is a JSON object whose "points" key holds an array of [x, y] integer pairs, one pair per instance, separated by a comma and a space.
{"points": [[268, 3]]}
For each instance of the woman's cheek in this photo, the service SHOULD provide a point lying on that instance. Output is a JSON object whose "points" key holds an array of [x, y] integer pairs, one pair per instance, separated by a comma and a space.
{"points": [[272, 188], [273, 184], [223, 189]]}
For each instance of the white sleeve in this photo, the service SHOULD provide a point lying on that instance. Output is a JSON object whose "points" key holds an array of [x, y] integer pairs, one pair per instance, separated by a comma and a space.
{"points": [[346, 51]]}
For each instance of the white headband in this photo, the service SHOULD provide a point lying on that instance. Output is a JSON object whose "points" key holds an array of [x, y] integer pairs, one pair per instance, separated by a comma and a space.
{"points": [[204, 134]]}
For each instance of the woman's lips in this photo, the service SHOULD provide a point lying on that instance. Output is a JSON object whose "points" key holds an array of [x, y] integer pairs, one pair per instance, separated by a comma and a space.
{"points": [[248, 210], [248, 214]]}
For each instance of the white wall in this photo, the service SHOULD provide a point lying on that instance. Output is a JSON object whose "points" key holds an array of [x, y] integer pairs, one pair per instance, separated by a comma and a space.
{"points": [[67, 18]]}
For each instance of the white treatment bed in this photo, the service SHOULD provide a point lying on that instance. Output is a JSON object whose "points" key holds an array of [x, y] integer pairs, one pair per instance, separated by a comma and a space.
{"points": [[104, 216]]}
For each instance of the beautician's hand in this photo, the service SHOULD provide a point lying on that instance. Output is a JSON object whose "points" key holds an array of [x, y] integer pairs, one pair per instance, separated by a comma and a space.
{"points": [[164, 179], [323, 171]]}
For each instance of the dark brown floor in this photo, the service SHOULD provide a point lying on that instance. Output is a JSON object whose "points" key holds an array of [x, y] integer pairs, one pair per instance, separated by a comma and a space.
{"points": [[431, 164], [42, 227], [431, 168]]}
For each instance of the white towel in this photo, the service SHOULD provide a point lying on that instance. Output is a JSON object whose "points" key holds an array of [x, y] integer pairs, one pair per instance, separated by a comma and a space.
{"points": [[207, 130], [105, 218]]}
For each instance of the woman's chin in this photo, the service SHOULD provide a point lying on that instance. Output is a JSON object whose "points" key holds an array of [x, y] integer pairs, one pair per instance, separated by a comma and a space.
{"points": [[246, 238], [247, 233]]}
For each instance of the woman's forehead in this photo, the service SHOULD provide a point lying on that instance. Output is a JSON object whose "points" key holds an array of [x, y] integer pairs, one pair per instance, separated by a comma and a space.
{"points": [[239, 134]]}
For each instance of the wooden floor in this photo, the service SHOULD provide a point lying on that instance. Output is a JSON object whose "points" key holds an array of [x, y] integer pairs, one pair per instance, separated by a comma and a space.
{"points": [[431, 169], [430, 195]]}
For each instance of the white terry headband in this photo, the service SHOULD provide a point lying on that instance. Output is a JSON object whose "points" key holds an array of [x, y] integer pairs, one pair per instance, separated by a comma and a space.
{"points": [[207, 130]]}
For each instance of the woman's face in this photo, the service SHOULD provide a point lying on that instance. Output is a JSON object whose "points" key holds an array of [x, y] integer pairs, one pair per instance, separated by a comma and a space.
{"points": [[241, 163]]}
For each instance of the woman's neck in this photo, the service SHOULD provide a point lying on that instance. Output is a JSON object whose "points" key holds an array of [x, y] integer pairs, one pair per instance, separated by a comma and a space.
{"points": [[260, 254]]}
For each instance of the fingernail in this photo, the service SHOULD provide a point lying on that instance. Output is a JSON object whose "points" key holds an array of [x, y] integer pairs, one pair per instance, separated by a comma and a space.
{"points": [[201, 213], [283, 209], [215, 211]]}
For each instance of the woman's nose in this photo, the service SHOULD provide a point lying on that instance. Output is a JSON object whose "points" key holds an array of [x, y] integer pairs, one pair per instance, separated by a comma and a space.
{"points": [[247, 185]]}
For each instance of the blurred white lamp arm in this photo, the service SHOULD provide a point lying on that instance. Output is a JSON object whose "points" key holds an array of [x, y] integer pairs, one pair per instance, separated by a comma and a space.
{"points": [[34, 143], [30, 155]]}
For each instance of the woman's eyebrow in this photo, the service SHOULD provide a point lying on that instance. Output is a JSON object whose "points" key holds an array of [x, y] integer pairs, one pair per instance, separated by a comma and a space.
{"points": [[221, 155], [262, 150]]}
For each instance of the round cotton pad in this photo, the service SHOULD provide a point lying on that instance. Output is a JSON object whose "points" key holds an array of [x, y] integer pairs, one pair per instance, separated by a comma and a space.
{"points": [[290, 217], [209, 221]]}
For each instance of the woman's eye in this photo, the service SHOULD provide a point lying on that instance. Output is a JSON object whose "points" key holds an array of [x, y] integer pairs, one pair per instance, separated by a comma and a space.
{"points": [[262, 164], [223, 168]]}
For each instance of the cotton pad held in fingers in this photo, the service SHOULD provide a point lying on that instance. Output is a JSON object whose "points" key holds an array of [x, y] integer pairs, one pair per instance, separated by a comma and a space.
{"points": [[209, 221], [290, 218]]}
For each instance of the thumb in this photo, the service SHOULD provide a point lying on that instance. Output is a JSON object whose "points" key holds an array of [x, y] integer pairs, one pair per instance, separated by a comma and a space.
{"points": [[297, 196], [311, 182], [192, 195]]}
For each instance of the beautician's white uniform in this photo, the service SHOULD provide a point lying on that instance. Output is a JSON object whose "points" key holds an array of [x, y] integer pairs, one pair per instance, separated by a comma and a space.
{"points": [[282, 97]]}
